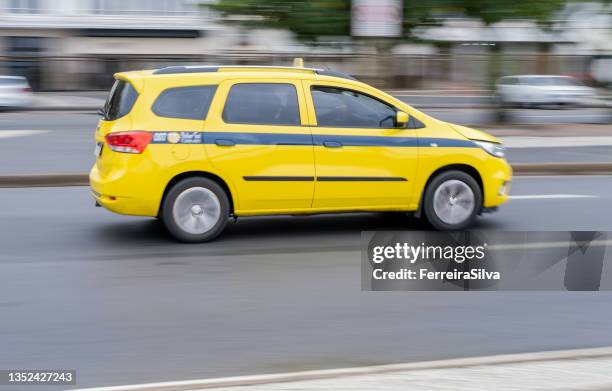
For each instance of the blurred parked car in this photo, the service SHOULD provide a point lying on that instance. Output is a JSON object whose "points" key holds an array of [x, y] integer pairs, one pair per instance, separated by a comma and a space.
{"points": [[15, 92], [536, 90]]}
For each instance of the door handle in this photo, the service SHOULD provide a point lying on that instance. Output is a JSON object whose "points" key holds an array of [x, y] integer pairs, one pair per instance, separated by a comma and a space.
{"points": [[224, 142], [332, 144]]}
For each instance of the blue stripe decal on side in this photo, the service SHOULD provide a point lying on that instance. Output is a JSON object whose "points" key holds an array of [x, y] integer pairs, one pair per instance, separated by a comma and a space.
{"points": [[227, 138], [259, 138], [446, 142], [366, 141]]}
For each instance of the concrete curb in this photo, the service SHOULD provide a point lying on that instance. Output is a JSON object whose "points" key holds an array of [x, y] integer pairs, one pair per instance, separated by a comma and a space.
{"points": [[44, 180], [525, 169], [520, 169], [361, 371]]}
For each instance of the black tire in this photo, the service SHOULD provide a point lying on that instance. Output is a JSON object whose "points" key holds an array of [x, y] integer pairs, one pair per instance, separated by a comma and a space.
{"points": [[167, 216], [428, 200]]}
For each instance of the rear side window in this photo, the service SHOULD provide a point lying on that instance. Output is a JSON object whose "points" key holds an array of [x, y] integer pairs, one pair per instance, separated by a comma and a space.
{"points": [[262, 104], [184, 102], [120, 100]]}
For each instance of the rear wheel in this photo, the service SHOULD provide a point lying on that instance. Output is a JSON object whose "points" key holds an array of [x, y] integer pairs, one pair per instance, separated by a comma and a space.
{"points": [[452, 201], [195, 210]]}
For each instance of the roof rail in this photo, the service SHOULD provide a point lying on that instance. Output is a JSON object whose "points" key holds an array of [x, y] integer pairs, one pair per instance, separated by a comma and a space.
{"points": [[185, 69], [329, 72], [215, 68]]}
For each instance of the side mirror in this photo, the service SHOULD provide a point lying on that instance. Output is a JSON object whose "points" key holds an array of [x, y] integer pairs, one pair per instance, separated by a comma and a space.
{"points": [[101, 112], [401, 119]]}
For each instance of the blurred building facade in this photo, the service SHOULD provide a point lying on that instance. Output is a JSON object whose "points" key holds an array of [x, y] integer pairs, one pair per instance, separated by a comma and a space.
{"points": [[65, 44], [79, 44]]}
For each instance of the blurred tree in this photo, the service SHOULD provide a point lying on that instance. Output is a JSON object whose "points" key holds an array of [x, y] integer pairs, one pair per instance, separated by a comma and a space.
{"points": [[310, 19], [307, 19], [492, 11]]}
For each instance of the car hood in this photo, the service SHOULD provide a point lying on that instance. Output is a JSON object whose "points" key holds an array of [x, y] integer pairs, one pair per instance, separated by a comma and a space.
{"points": [[474, 134]]}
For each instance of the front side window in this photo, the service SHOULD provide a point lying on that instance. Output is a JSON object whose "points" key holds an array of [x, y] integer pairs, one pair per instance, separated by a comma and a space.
{"points": [[564, 81], [550, 81], [120, 100], [508, 81], [262, 104], [12, 82], [534, 81], [337, 107], [184, 102]]}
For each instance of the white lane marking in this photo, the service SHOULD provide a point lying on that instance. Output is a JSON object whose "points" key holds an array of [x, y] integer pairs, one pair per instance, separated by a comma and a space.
{"points": [[549, 142], [20, 133], [549, 196]]}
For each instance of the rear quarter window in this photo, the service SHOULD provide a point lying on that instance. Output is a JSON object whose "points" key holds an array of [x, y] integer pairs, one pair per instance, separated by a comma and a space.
{"points": [[184, 102], [120, 100]]}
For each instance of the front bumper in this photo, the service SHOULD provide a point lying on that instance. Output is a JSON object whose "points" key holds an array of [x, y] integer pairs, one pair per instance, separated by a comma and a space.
{"points": [[497, 183]]}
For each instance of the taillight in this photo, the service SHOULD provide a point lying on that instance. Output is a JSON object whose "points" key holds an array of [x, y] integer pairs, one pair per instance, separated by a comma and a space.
{"points": [[128, 142]]}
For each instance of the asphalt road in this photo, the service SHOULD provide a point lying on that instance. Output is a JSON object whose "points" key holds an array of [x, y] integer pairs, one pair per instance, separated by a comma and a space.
{"points": [[51, 142], [116, 299], [46, 142]]}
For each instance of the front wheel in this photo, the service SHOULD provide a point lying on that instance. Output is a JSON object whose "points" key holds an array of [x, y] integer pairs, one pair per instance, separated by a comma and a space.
{"points": [[452, 201], [195, 210]]}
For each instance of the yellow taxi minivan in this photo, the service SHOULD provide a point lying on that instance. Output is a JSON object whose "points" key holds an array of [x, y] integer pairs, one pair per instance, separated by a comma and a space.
{"points": [[197, 145]]}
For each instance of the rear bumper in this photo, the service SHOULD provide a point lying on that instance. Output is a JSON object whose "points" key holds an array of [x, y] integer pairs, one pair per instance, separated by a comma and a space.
{"points": [[118, 194]]}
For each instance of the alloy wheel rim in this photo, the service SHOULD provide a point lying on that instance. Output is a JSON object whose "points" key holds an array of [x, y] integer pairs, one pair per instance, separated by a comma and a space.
{"points": [[454, 201], [196, 210]]}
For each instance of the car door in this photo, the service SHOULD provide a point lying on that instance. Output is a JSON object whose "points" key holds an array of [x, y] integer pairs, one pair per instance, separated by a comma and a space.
{"points": [[533, 90], [509, 89], [258, 139], [362, 160]]}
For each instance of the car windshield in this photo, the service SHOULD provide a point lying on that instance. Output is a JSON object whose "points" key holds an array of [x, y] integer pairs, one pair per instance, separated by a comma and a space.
{"points": [[550, 81], [11, 81]]}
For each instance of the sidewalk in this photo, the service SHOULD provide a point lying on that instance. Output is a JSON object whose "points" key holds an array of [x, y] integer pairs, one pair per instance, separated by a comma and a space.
{"points": [[556, 142], [548, 130], [580, 369], [67, 100]]}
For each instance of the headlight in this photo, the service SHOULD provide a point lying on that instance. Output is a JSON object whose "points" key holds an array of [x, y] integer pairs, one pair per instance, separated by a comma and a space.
{"points": [[494, 149]]}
